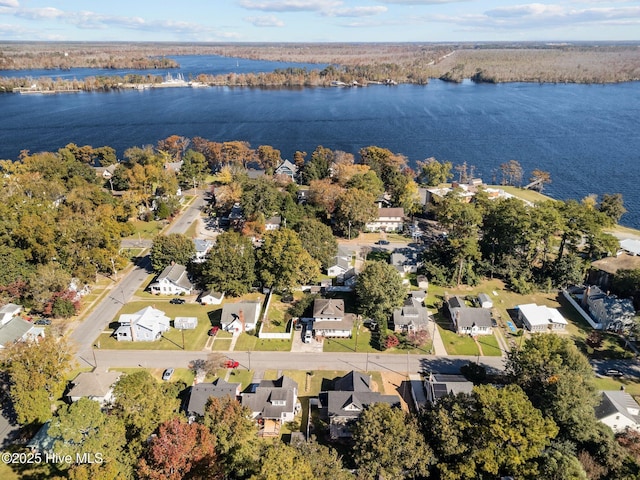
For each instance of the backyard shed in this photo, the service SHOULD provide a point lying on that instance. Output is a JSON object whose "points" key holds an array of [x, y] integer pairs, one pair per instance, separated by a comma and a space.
{"points": [[485, 301]]}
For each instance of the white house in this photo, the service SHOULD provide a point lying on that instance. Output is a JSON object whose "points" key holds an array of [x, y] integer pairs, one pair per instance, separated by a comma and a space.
{"points": [[172, 281], [467, 320], [13, 328], [405, 260], [95, 385], [203, 247], [330, 320], [145, 325], [632, 247], [412, 317], [240, 317], [388, 220], [209, 297], [273, 402], [287, 168], [273, 223], [339, 266], [619, 411], [540, 318]]}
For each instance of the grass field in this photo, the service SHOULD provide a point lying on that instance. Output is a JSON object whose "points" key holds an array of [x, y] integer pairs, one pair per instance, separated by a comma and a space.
{"points": [[145, 230], [248, 343], [458, 344]]}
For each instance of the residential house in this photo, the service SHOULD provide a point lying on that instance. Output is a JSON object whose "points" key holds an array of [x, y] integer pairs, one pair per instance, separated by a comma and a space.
{"points": [[418, 296], [619, 411], [439, 385], [14, 328], [272, 403], [632, 247], [540, 318], [405, 260], [387, 220], [485, 301], [209, 297], [273, 223], [288, 169], [106, 173], [240, 317], [185, 323], [341, 406], [339, 266], [330, 320], [146, 325], [611, 312], [411, 317], [200, 393], [203, 247], [172, 281], [97, 386], [383, 200], [468, 320]]}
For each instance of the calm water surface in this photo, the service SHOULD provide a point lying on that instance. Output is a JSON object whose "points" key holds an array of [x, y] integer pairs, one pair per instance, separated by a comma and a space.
{"points": [[587, 136]]}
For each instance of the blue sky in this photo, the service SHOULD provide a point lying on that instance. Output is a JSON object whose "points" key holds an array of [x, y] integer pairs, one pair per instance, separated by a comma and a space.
{"points": [[319, 20]]}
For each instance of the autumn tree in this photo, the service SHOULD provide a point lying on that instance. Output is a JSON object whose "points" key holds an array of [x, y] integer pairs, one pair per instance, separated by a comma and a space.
{"points": [[354, 209], [175, 146], [367, 182], [511, 172], [540, 178], [236, 153], [175, 247], [325, 194], [318, 165], [612, 205], [283, 262], [382, 161], [432, 172], [180, 450], [38, 376], [383, 436], [230, 267], [317, 239], [237, 443], [268, 158], [212, 151], [260, 196], [379, 290]]}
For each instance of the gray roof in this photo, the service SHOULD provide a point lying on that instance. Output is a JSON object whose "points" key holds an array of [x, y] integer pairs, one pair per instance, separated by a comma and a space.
{"points": [[341, 262], [412, 313], [202, 245], [93, 384], [15, 329], [287, 165], [254, 173], [284, 389], [328, 308], [617, 401], [353, 382], [468, 317], [438, 385], [200, 393], [231, 312], [456, 302], [176, 274]]}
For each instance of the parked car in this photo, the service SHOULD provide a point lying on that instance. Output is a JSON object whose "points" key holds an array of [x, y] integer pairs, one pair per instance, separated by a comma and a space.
{"points": [[177, 301], [168, 373], [382, 242], [231, 364], [308, 336], [612, 372], [42, 321], [213, 331]]}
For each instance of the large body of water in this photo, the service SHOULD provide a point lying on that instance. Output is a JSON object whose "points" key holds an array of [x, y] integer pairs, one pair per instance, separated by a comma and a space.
{"points": [[586, 136]]}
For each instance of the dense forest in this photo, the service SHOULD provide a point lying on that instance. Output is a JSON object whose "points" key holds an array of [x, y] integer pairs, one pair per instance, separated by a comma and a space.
{"points": [[361, 63]]}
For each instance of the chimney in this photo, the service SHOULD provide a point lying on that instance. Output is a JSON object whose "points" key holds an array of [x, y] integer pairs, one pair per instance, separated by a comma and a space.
{"points": [[585, 295], [241, 317]]}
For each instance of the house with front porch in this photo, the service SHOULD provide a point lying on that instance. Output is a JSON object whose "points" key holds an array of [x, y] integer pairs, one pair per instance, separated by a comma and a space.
{"points": [[387, 220], [288, 169], [411, 317], [13, 328], [203, 247], [240, 316], [272, 403], [146, 325], [96, 385], [469, 320], [330, 320], [172, 281]]}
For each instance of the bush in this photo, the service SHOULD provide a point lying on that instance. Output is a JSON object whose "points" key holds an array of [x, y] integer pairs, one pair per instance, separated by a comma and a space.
{"points": [[391, 341]]}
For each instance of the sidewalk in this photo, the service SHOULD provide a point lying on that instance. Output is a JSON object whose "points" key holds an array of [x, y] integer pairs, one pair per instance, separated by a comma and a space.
{"points": [[438, 344]]}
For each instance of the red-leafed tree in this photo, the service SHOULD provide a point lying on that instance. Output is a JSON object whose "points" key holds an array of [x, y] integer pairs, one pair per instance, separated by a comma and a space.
{"points": [[180, 450]]}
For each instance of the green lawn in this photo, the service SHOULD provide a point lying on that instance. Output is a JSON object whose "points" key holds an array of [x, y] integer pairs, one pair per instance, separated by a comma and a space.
{"points": [[278, 318], [221, 345], [631, 387], [489, 345], [146, 230], [458, 344], [250, 343], [529, 195]]}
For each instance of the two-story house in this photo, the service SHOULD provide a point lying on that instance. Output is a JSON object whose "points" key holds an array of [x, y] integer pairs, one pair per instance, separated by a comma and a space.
{"points": [[172, 281], [330, 320]]}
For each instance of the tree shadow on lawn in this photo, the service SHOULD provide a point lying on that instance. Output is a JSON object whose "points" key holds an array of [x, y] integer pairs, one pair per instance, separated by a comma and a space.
{"points": [[215, 318]]}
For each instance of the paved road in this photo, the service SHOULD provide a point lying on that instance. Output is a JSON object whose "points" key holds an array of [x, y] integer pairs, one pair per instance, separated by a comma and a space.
{"points": [[301, 361], [95, 322]]}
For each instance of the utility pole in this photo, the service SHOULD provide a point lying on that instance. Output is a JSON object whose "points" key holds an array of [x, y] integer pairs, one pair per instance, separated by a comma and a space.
{"points": [[349, 229]]}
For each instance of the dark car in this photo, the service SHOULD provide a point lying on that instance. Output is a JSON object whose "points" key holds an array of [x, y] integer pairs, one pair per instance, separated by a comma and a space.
{"points": [[213, 331], [177, 301], [42, 321], [382, 242]]}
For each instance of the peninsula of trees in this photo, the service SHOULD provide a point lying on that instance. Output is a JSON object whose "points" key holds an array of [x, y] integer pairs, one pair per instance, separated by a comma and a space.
{"points": [[348, 63]]}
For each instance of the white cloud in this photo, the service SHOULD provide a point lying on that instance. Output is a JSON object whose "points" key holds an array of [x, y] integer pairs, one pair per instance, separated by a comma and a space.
{"points": [[9, 3], [421, 2], [355, 11], [289, 5], [265, 21]]}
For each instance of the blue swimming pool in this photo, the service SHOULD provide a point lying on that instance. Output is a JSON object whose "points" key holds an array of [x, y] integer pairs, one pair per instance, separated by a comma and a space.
{"points": [[511, 326]]}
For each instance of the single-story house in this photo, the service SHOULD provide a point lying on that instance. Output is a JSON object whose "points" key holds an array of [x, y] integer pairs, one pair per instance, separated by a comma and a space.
{"points": [[273, 223], [200, 394], [203, 247], [388, 220], [341, 406], [611, 312], [97, 386], [240, 317], [339, 266], [330, 320], [540, 318], [411, 317], [438, 385], [146, 325], [14, 328], [288, 169], [209, 297], [272, 403], [468, 320], [172, 281], [185, 323], [619, 411], [485, 301]]}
